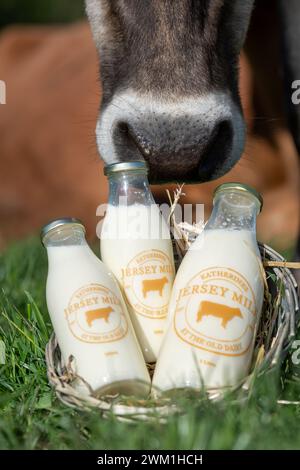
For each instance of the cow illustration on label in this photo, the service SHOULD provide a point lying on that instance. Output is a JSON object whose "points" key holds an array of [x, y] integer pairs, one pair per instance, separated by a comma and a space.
{"points": [[98, 314], [153, 285], [216, 312], [104, 323], [147, 281], [219, 311]]}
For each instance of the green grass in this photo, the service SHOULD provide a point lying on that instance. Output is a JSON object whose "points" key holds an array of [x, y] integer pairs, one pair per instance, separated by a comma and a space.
{"points": [[32, 418], [37, 11]]}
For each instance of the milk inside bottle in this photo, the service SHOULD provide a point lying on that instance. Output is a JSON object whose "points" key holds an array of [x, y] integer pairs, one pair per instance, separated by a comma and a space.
{"points": [[216, 300], [89, 315], [136, 245]]}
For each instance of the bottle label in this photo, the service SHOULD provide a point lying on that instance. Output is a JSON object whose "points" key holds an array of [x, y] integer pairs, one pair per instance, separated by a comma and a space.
{"points": [[95, 315], [147, 282], [216, 312]]}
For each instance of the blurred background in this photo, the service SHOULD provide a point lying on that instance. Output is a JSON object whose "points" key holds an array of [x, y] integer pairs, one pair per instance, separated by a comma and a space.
{"points": [[49, 165]]}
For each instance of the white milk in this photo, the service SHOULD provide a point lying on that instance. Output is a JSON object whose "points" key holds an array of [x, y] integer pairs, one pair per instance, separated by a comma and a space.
{"points": [[136, 246], [92, 324], [213, 314]]}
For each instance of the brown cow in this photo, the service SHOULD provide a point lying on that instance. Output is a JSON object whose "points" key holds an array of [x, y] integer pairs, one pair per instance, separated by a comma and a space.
{"points": [[219, 311], [150, 285], [97, 314]]}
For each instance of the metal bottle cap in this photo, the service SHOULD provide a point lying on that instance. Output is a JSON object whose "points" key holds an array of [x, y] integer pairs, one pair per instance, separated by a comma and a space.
{"points": [[59, 223], [239, 187], [125, 166]]}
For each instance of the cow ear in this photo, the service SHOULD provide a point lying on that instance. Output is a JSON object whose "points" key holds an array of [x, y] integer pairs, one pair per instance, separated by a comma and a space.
{"points": [[238, 15]]}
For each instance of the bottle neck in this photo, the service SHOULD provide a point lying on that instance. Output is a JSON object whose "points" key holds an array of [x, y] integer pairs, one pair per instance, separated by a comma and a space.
{"points": [[128, 188], [234, 211]]}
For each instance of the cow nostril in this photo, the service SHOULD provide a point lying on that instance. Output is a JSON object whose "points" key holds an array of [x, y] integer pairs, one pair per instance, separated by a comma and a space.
{"points": [[129, 144], [223, 131], [219, 145], [122, 133], [132, 140], [123, 127]]}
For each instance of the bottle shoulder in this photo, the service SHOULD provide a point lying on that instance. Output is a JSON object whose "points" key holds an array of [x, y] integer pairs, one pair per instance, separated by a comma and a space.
{"points": [[74, 259], [219, 247], [230, 238], [74, 268]]}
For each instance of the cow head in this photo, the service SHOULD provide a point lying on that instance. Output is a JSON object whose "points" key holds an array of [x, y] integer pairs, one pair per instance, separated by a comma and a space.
{"points": [[169, 73]]}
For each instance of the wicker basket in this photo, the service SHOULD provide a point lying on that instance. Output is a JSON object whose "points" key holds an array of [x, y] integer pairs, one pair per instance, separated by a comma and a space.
{"points": [[275, 335]]}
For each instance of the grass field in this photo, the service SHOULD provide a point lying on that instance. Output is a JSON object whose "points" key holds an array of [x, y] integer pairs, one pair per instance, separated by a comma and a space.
{"points": [[32, 418]]}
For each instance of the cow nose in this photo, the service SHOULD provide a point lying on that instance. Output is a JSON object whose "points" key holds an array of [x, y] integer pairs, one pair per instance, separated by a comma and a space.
{"points": [[187, 148]]}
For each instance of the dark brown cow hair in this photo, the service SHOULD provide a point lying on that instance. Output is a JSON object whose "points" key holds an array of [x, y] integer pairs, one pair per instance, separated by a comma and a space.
{"points": [[180, 47]]}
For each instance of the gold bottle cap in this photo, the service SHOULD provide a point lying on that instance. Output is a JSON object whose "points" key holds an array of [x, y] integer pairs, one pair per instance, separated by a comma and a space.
{"points": [[59, 223], [125, 166], [239, 187]]}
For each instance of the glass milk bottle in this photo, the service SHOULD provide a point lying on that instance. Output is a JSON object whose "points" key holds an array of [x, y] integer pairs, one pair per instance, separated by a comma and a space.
{"points": [[216, 300], [136, 246], [89, 315]]}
